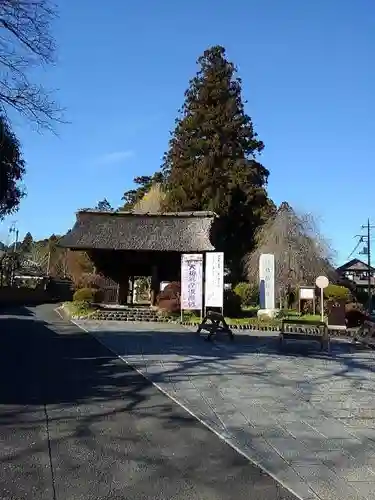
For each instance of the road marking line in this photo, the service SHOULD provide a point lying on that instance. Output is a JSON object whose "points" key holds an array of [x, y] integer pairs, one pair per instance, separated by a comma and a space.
{"points": [[185, 408], [59, 313]]}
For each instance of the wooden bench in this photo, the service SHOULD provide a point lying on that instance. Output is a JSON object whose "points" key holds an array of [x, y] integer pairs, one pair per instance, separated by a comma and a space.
{"points": [[311, 331], [215, 323]]}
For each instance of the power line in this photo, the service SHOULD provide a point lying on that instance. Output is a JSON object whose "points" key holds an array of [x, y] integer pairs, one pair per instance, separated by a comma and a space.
{"points": [[355, 248], [13, 229]]}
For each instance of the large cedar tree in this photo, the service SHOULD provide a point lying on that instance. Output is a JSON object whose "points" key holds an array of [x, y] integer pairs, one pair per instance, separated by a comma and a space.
{"points": [[212, 162]]}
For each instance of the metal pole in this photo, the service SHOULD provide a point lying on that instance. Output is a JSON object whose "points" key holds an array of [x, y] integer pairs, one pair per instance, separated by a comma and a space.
{"points": [[15, 242], [65, 263], [203, 307], [13, 270], [49, 261], [322, 304], [369, 266]]}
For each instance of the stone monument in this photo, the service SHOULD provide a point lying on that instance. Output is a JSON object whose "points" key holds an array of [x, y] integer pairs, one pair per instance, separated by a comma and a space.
{"points": [[267, 285]]}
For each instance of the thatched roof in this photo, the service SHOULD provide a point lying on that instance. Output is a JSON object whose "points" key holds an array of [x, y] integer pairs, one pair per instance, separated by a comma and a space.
{"points": [[179, 232]]}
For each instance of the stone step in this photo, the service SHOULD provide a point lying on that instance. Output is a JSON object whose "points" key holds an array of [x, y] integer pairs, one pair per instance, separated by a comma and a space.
{"points": [[128, 314], [138, 313]]}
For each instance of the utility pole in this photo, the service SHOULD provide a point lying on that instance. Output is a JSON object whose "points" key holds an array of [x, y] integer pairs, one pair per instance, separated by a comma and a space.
{"points": [[49, 260], [367, 251], [13, 229]]}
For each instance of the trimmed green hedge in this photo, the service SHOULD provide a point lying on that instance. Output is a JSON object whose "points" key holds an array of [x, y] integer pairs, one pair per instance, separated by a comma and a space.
{"points": [[232, 304], [85, 295], [248, 293], [336, 292]]}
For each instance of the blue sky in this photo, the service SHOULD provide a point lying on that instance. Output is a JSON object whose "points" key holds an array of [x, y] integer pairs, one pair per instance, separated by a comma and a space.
{"points": [[308, 75]]}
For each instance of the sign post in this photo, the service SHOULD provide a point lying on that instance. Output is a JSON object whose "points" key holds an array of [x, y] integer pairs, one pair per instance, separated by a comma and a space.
{"points": [[191, 282], [322, 282], [214, 281], [306, 293]]}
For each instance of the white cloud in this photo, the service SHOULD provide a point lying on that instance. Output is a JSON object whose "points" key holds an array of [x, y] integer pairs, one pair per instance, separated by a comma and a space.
{"points": [[115, 157]]}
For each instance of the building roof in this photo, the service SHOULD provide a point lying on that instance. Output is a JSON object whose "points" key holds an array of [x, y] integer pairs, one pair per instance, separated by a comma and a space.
{"points": [[179, 232], [355, 265]]}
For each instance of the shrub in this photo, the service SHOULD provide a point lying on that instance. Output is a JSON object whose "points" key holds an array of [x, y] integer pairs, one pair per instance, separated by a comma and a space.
{"points": [[354, 315], [168, 300], [362, 297], [85, 295], [337, 292], [291, 297], [92, 280], [232, 304], [248, 293], [169, 305], [173, 289], [306, 307]]}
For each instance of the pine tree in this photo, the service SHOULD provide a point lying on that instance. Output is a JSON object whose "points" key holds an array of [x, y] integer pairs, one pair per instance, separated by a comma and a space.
{"points": [[104, 206], [211, 163], [27, 243]]}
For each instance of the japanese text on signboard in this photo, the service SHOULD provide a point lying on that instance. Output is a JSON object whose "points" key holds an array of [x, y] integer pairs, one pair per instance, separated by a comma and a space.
{"points": [[214, 281], [191, 281]]}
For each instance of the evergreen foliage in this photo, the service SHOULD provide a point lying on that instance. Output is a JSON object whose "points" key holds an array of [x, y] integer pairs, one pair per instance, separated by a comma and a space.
{"points": [[212, 161], [104, 206], [12, 169], [27, 243]]}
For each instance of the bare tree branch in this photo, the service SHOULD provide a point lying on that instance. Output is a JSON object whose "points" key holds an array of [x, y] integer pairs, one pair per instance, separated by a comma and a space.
{"points": [[301, 252], [36, 258], [26, 42]]}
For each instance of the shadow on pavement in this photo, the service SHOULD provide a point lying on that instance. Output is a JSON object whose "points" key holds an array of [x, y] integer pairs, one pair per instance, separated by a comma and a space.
{"points": [[76, 422], [39, 366], [9, 310], [168, 341]]}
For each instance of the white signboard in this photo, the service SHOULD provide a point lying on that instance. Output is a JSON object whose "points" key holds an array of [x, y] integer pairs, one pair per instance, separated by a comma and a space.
{"points": [[267, 281], [306, 293], [191, 281], [214, 280]]}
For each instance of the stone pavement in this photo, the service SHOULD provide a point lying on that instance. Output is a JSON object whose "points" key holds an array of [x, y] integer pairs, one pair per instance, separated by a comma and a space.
{"points": [[305, 416]]}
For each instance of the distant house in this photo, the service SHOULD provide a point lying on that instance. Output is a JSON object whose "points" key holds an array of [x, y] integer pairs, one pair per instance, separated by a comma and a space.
{"points": [[356, 271]]}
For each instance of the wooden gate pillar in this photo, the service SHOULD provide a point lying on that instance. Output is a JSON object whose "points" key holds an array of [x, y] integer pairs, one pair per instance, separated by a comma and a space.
{"points": [[155, 284], [123, 291]]}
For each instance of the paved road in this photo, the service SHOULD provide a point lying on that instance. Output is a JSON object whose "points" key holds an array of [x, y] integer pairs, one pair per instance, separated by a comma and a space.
{"points": [[305, 415], [76, 423]]}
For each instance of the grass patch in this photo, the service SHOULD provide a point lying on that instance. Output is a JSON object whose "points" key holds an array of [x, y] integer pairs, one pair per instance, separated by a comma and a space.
{"points": [[306, 318], [249, 317]]}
